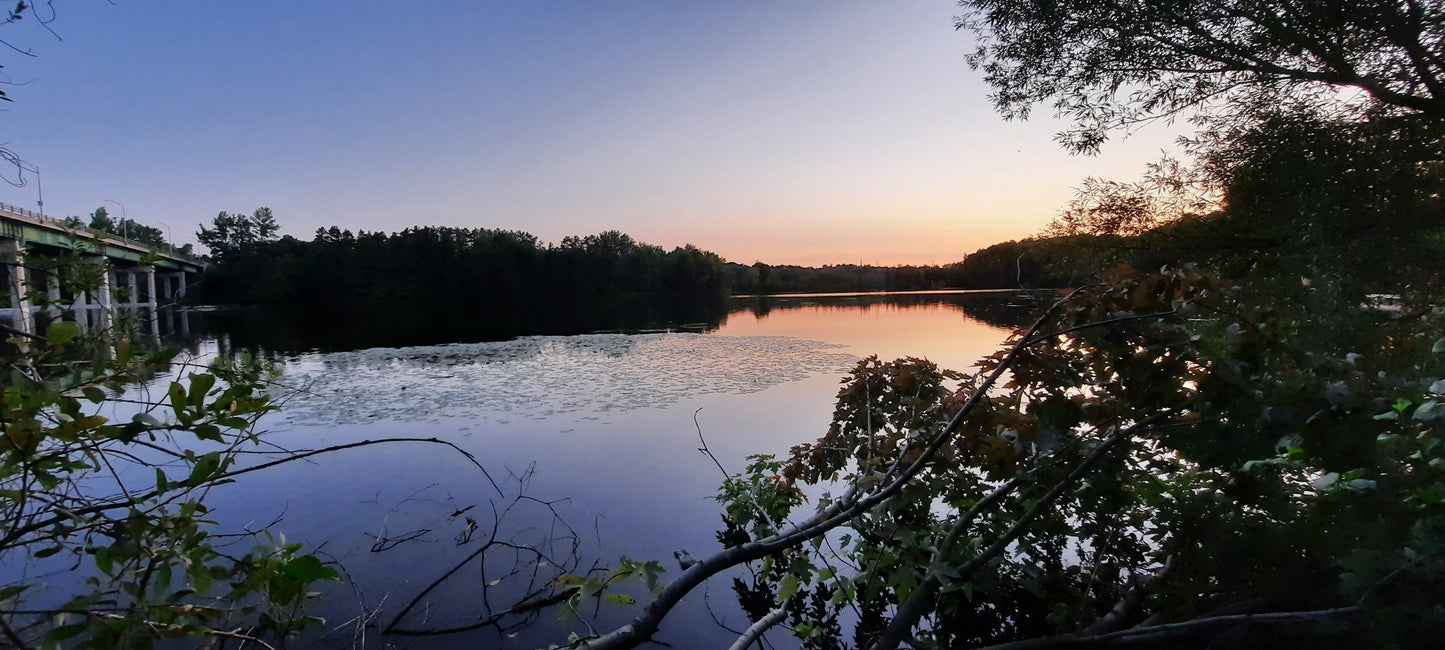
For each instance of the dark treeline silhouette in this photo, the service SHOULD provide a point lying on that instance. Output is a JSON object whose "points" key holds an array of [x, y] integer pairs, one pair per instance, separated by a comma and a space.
{"points": [[432, 263], [253, 265], [1043, 262], [765, 279], [1029, 264], [761, 278]]}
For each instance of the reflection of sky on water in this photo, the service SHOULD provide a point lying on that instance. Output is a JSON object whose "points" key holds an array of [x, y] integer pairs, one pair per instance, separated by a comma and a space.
{"points": [[607, 422], [539, 377]]}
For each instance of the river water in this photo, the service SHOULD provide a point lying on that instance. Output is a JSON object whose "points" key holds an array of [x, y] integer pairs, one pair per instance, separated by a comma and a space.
{"points": [[585, 439]]}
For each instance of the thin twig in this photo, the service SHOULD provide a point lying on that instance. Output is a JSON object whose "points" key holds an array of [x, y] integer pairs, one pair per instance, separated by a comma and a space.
{"points": [[704, 448]]}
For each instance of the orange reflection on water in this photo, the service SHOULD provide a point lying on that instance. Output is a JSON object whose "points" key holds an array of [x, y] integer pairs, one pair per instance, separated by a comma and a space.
{"points": [[952, 329]]}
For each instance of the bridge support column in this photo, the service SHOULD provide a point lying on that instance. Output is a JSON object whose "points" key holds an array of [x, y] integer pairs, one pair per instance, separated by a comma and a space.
{"points": [[14, 258], [52, 289], [103, 292], [149, 272], [151, 303], [81, 308]]}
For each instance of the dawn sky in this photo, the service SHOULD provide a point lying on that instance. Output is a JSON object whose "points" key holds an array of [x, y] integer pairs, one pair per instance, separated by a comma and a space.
{"points": [[786, 132]]}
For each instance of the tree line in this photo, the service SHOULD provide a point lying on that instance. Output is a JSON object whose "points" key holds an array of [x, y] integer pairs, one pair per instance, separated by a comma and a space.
{"points": [[253, 265]]}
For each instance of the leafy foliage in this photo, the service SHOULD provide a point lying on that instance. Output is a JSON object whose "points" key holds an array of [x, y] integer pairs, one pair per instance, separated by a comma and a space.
{"points": [[1269, 474], [123, 500], [1113, 64]]}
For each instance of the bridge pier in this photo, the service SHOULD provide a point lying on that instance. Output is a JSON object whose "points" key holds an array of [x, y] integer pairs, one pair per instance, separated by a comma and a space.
{"points": [[151, 304], [132, 292], [13, 256], [52, 290], [103, 291], [173, 286], [150, 278], [80, 306]]}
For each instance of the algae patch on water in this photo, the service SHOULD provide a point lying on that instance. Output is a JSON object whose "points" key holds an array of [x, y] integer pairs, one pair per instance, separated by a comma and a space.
{"points": [[543, 376]]}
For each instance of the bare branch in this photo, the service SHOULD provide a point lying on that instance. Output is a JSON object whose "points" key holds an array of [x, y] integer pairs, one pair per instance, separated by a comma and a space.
{"points": [[756, 630]]}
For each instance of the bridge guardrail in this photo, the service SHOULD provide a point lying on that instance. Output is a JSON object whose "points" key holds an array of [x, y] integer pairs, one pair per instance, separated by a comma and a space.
{"points": [[60, 223]]}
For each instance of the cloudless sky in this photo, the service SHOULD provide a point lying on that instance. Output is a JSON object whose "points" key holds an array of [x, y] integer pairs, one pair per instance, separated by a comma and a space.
{"points": [[804, 132]]}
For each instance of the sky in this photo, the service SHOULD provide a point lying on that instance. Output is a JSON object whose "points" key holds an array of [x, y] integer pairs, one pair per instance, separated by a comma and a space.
{"points": [[799, 132]]}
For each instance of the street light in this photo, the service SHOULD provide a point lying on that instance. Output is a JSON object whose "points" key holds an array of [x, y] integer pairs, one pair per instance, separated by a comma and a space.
{"points": [[170, 241], [124, 221]]}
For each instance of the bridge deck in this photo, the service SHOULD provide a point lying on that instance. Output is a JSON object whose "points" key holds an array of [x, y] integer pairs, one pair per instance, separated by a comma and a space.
{"points": [[27, 226]]}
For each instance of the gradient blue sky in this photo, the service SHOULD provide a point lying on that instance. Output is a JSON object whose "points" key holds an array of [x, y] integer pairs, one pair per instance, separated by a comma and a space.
{"points": [[788, 132]]}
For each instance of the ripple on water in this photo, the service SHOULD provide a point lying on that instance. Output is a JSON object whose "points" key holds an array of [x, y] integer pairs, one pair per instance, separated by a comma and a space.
{"points": [[544, 376]]}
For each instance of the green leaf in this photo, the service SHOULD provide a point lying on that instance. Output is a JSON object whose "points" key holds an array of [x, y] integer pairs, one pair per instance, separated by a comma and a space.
{"points": [[307, 568], [205, 467], [94, 394], [208, 432], [233, 422], [162, 484], [12, 591], [103, 561], [1439, 347], [177, 393], [788, 588], [621, 599], [163, 578], [61, 333], [200, 385]]}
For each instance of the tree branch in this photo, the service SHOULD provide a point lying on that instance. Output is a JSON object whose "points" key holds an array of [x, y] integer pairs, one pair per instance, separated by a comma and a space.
{"points": [[841, 511], [757, 629], [18, 532], [1173, 634], [909, 614]]}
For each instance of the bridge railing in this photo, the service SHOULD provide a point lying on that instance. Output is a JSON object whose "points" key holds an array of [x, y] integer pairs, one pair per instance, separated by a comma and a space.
{"points": [[62, 224]]}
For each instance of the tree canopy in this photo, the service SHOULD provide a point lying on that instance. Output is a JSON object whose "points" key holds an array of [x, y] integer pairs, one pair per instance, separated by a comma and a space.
{"points": [[427, 262], [232, 235], [1112, 64]]}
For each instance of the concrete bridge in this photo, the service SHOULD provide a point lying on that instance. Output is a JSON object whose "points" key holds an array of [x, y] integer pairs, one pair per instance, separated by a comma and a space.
{"points": [[128, 275]]}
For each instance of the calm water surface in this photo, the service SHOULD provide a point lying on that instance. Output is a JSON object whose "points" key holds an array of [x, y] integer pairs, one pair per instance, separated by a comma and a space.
{"points": [[596, 431]]}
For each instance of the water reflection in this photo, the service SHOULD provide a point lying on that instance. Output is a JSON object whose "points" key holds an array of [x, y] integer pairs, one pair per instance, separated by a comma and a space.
{"points": [[600, 424], [351, 326], [1005, 308]]}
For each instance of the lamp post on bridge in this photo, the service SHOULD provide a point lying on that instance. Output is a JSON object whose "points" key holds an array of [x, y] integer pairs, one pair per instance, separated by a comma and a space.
{"points": [[124, 220], [170, 242]]}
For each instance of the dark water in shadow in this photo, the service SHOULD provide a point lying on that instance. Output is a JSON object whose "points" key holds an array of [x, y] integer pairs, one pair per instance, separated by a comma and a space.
{"points": [[328, 327], [593, 418], [352, 326]]}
